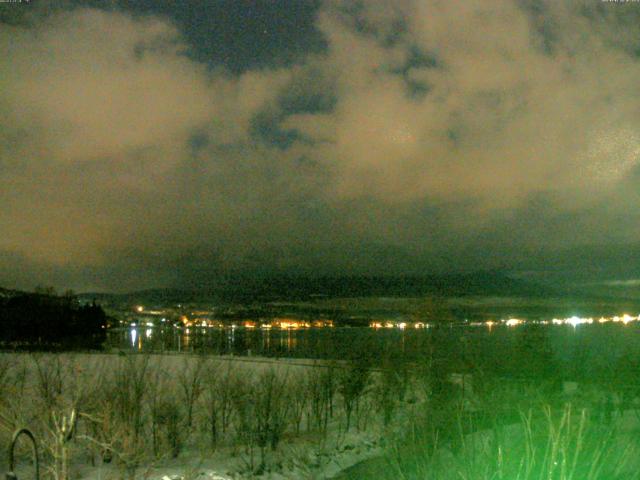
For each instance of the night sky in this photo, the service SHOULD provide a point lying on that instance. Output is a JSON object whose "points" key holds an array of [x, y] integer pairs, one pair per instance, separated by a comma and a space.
{"points": [[167, 143]]}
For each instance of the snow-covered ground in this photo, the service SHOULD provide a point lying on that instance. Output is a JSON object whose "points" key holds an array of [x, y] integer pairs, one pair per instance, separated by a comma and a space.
{"points": [[36, 387], [71, 379]]}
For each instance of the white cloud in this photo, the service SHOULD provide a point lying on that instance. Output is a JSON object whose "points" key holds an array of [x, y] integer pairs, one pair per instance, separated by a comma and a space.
{"points": [[502, 117], [97, 109]]}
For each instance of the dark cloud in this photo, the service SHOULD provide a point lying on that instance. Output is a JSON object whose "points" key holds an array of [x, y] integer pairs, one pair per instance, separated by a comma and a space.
{"points": [[152, 144]]}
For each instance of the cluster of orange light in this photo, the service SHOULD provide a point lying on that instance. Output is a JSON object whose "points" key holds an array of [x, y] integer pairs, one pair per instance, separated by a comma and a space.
{"points": [[200, 322], [400, 325], [278, 323], [287, 323]]}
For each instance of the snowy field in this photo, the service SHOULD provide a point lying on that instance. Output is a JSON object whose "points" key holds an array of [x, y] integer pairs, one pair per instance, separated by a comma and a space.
{"points": [[156, 416], [169, 417]]}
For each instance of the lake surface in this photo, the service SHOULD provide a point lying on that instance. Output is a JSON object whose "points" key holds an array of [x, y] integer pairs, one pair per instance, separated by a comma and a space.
{"points": [[574, 352]]}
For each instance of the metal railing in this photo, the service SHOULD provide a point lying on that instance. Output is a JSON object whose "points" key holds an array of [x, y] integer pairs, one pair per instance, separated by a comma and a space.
{"points": [[11, 475]]}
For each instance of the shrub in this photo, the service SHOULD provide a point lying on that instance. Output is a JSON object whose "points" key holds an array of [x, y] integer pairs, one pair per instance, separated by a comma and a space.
{"points": [[352, 384], [190, 379]]}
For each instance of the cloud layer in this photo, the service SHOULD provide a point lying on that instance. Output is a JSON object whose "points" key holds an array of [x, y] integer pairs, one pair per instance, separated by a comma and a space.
{"points": [[429, 135]]}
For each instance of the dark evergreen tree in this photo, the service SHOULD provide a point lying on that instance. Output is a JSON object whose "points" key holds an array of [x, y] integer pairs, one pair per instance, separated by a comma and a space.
{"points": [[44, 320]]}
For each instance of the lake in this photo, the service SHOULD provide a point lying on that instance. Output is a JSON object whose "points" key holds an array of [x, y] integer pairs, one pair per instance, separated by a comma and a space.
{"points": [[524, 350]]}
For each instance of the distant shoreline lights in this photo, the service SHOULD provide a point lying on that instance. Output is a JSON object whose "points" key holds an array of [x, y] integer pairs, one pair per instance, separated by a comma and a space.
{"points": [[574, 321]]}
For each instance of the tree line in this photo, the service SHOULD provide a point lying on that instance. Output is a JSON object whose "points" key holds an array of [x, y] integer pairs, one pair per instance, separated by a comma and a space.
{"points": [[44, 319]]}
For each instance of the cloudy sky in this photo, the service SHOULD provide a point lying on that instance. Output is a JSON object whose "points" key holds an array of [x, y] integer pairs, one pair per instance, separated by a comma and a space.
{"points": [[151, 143]]}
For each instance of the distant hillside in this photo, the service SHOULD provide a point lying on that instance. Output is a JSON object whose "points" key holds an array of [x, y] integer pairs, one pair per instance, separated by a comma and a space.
{"points": [[41, 320], [245, 289]]}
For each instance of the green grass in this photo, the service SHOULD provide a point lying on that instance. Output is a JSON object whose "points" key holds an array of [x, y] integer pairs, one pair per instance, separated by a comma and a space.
{"points": [[547, 441]]}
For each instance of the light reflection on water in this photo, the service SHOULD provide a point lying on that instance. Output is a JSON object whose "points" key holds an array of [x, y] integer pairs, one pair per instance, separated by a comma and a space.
{"points": [[236, 340], [594, 345]]}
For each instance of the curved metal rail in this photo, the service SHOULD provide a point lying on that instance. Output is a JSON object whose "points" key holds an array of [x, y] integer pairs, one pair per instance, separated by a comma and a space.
{"points": [[34, 450]]}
